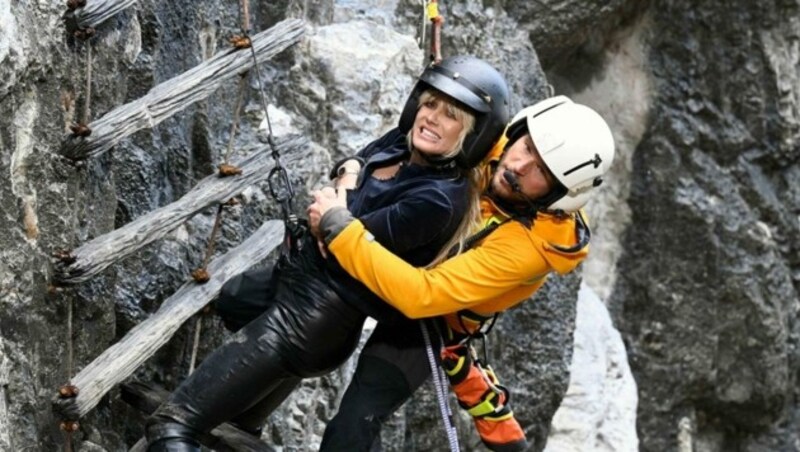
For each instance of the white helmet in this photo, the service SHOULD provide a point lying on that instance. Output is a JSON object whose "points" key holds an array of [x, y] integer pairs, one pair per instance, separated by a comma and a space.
{"points": [[575, 144]]}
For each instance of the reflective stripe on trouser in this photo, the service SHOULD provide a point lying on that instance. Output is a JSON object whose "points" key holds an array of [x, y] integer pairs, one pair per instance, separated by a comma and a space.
{"points": [[480, 394]]}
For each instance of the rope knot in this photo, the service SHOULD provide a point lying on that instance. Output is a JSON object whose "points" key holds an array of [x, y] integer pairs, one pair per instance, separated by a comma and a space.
{"points": [[65, 256], [80, 130], [201, 276], [240, 42], [68, 391], [227, 169]]}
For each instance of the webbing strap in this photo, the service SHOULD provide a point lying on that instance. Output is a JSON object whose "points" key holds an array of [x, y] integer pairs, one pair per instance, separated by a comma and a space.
{"points": [[457, 368], [485, 407]]}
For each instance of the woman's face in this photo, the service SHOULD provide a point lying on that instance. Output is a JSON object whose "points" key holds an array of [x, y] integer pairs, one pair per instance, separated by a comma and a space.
{"points": [[436, 127]]}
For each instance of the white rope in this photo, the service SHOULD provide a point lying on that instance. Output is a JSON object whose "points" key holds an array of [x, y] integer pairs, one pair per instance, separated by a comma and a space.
{"points": [[441, 395]]}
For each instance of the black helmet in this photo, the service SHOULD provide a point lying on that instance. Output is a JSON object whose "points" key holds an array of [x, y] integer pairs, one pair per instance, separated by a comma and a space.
{"points": [[478, 86]]}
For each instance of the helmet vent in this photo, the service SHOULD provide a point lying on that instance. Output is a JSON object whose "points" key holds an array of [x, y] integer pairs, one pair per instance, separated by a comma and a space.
{"points": [[549, 108], [596, 161]]}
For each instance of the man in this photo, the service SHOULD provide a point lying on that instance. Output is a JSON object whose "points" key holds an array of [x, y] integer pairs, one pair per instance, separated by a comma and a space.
{"points": [[537, 179]]}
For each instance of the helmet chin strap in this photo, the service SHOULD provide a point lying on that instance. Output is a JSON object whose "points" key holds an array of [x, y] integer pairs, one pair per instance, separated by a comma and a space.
{"points": [[435, 160]]}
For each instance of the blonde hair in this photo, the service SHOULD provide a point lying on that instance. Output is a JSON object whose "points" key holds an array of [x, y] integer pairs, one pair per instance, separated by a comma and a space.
{"points": [[471, 219], [470, 222]]}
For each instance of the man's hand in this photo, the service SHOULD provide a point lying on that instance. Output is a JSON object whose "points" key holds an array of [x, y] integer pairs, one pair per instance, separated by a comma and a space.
{"points": [[324, 200]]}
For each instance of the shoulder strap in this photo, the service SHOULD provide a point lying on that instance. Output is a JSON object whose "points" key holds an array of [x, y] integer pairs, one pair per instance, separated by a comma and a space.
{"points": [[472, 240]]}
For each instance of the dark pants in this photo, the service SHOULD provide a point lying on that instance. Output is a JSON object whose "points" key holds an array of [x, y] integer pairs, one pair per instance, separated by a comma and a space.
{"points": [[245, 297], [307, 331], [391, 367]]}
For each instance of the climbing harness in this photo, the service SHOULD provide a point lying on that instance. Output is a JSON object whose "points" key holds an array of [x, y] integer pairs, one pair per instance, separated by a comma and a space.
{"points": [[480, 393], [472, 380], [475, 383], [476, 330]]}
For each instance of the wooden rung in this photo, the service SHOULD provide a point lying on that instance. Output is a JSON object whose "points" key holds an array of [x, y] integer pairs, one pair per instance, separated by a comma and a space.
{"points": [[177, 93], [94, 13], [98, 254], [146, 398], [120, 360]]}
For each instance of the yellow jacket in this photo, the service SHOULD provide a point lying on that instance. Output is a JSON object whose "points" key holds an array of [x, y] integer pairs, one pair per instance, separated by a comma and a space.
{"points": [[504, 269]]}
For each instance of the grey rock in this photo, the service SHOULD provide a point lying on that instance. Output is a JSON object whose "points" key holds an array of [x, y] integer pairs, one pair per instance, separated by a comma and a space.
{"points": [[348, 89], [599, 409], [707, 289], [558, 28]]}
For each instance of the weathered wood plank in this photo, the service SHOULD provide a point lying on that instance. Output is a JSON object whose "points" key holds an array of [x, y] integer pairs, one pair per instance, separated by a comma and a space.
{"points": [[98, 254], [95, 13], [121, 359], [226, 437], [172, 96]]}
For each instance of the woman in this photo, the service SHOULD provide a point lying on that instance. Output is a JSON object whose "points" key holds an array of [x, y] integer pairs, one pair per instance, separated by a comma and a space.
{"points": [[413, 192]]}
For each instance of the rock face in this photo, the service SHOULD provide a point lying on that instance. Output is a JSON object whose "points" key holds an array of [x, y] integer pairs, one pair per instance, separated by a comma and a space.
{"points": [[708, 283], [695, 231], [599, 409]]}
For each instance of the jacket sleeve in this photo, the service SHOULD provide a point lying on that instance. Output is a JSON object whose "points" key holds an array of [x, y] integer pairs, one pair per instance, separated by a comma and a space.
{"points": [[490, 274], [416, 220]]}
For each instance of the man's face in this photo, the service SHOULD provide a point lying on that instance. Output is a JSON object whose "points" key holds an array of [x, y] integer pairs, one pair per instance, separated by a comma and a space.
{"points": [[523, 161]]}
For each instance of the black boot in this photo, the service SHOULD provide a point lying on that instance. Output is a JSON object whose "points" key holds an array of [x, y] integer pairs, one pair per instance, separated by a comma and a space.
{"points": [[170, 437]]}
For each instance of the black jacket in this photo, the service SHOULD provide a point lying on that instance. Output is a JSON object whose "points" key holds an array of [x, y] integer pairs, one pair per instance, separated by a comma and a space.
{"points": [[413, 215]]}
